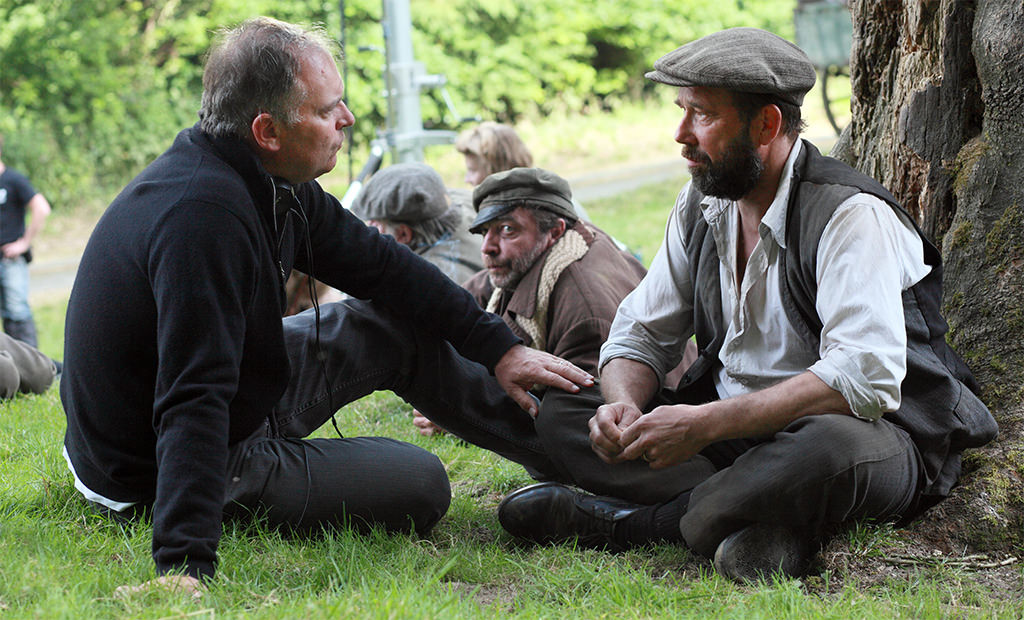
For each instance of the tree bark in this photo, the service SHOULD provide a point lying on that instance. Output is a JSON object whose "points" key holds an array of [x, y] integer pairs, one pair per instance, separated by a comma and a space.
{"points": [[938, 117]]}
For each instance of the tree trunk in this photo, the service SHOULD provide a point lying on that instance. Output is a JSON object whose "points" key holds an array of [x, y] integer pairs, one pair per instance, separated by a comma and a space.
{"points": [[938, 117]]}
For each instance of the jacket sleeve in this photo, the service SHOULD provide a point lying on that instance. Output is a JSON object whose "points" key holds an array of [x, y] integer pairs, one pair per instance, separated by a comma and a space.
{"points": [[202, 266]]}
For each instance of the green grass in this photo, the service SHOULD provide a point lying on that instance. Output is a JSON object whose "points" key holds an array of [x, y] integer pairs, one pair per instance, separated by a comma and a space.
{"points": [[59, 559], [638, 220]]}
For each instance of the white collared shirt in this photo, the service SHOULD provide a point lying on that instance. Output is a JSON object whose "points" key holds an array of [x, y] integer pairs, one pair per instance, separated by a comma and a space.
{"points": [[867, 256]]}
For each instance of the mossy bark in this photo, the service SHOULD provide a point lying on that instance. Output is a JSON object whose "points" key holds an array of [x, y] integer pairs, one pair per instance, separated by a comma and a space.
{"points": [[938, 117]]}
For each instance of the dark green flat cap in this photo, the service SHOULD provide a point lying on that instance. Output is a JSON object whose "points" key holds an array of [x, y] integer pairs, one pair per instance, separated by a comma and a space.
{"points": [[748, 60], [402, 193], [502, 192]]}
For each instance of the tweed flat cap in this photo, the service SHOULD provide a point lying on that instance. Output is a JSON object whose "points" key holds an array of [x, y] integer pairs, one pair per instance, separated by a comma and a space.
{"points": [[402, 193], [747, 60], [503, 191]]}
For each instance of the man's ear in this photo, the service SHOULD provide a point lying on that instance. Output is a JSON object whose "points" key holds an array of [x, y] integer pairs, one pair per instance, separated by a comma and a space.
{"points": [[402, 233], [264, 132], [768, 125], [558, 230]]}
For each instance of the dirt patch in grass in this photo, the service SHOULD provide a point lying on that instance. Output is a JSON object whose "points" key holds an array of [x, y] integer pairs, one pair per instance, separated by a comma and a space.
{"points": [[907, 558], [500, 596]]}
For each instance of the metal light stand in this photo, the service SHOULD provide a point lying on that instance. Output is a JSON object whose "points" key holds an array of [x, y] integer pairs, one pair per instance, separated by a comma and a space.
{"points": [[404, 79]]}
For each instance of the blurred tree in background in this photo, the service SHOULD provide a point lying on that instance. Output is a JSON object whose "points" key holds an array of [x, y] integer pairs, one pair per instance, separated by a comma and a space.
{"points": [[90, 92]]}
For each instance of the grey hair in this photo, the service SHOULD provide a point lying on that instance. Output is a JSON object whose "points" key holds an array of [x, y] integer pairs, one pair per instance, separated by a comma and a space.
{"points": [[254, 68], [546, 220], [427, 232]]}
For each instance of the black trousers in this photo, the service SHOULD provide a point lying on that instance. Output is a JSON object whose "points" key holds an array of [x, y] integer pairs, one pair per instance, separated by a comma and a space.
{"points": [[306, 483], [819, 470]]}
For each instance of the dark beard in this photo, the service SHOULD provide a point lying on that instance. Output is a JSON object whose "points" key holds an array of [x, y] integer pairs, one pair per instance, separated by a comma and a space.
{"points": [[734, 175]]}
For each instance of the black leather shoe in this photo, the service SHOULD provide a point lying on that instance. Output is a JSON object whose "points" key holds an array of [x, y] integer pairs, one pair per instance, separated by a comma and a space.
{"points": [[759, 551], [549, 512]]}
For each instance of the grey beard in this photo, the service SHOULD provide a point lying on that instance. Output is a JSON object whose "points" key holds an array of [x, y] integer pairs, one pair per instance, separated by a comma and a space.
{"points": [[518, 268]]}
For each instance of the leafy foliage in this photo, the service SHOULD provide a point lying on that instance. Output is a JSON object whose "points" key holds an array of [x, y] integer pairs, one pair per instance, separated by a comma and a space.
{"points": [[90, 92]]}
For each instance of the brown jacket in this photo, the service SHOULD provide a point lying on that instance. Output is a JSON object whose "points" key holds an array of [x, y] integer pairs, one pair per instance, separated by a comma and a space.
{"points": [[582, 303]]}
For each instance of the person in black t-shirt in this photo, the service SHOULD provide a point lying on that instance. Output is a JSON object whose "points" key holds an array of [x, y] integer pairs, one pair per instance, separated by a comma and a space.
{"points": [[16, 197]]}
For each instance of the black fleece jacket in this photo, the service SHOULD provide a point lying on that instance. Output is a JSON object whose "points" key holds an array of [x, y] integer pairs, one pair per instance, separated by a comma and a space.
{"points": [[173, 340]]}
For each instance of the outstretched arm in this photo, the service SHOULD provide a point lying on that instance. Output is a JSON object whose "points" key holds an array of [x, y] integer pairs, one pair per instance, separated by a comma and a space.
{"points": [[520, 368]]}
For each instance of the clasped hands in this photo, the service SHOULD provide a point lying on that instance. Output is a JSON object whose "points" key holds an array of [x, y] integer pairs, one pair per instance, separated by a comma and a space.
{"points": [[666, 436]]}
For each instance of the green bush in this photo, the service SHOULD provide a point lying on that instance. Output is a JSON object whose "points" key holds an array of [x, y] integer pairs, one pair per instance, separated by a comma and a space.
{"points": [[90, 92]]}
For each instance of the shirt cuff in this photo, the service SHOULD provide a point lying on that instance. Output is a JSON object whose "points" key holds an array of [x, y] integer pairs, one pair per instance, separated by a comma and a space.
{"points": [[633, 352], [843, 375]]}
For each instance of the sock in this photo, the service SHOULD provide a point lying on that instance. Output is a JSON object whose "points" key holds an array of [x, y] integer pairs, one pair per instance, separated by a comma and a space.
{"points": [[653, 524]]}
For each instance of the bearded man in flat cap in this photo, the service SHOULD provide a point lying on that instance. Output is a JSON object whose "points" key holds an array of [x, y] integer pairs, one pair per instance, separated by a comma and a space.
{"points": [[824, 390], [556, 280]]}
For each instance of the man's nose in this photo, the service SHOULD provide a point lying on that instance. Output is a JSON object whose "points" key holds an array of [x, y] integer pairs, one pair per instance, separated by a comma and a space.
{"points": [[346, 118], [490, 243], [684, 131]]}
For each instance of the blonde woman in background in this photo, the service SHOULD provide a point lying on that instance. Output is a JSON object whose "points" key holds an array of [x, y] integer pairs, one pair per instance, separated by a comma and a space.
{"points": [[495, 147], [491, 147]]}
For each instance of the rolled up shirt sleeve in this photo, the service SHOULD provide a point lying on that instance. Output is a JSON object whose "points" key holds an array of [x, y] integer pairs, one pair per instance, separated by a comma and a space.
{"points": [[655, 320], [866, 259]]}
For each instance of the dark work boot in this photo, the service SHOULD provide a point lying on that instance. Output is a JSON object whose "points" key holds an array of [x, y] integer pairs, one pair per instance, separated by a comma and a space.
{"points": [[549, 512], [24, 331], [758, 551]]}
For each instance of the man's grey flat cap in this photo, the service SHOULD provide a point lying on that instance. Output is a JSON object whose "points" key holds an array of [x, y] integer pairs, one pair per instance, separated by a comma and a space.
{"points": [[402, 193], [503, 191], [748, 60]]}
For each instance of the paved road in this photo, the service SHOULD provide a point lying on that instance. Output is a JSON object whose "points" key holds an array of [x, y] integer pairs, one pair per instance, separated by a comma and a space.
{"points": [[53, 279], [604, 183]]}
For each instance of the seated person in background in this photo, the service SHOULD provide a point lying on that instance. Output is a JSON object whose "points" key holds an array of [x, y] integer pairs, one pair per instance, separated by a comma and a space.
{"points": [[556, 282], [410, 203], [488, 148], [491, 147], [495, 147], [23, 368], [300, 290]]}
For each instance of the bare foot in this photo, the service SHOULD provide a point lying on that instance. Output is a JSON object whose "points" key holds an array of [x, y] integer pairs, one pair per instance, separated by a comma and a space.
{"points": [[425, 426], [185, 584]]}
